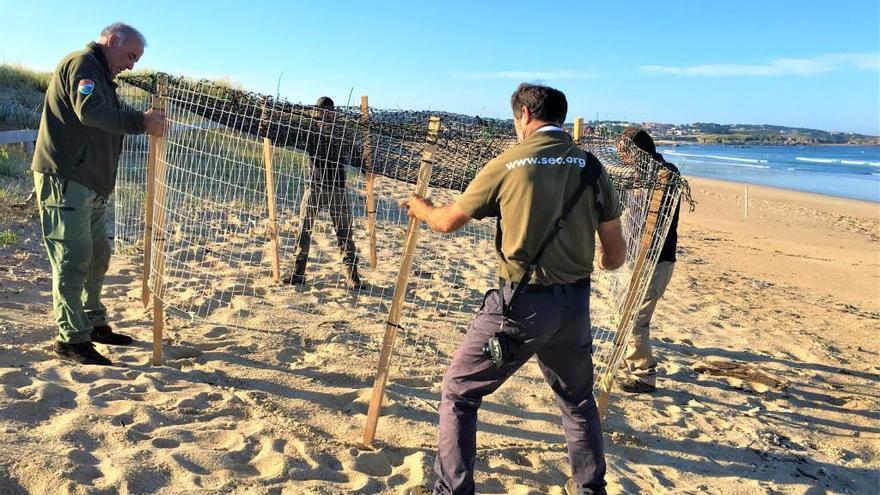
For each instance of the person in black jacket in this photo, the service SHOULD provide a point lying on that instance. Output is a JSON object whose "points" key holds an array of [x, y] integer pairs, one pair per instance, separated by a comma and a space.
{"points": [[639, 357], [326, 191]]}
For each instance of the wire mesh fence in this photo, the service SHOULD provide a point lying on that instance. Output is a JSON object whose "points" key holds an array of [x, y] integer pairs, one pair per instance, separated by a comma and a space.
{"points": [[252, 191]]}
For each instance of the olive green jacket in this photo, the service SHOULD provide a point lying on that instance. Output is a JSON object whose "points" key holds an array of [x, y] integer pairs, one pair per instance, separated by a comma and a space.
{"points": [[83, 122]]}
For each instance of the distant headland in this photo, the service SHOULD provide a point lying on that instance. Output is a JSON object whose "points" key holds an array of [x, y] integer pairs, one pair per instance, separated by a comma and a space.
{"points": [[742, 134]]}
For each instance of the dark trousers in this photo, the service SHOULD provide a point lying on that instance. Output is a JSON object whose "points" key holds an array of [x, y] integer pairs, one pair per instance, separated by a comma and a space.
{"points": [[335, 201], [554, 325]]}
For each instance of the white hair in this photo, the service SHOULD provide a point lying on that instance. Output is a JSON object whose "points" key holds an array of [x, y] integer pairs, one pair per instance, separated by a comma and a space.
{"points": [[123, 31]]}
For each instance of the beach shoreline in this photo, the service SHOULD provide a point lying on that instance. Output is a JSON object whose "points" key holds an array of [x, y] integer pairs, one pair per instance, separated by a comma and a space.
{"points": [[855, 205], [853, 172], [673, 142]]}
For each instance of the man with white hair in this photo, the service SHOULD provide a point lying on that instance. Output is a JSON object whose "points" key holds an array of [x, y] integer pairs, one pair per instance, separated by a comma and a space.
{"points": [[75, 164]]}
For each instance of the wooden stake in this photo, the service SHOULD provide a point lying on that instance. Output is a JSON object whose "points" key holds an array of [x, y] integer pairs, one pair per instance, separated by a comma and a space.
{"points": [[273, 216], [400, 287], [371, 178], [632, 301], [148, 209], [159, 192], [578, 129]]}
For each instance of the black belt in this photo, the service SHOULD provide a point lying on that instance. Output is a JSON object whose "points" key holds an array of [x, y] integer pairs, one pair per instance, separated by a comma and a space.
{"points": [[543, 289]]}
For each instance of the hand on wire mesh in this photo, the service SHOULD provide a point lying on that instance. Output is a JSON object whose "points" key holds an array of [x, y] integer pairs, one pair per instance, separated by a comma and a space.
{"points": [[155, 123]]}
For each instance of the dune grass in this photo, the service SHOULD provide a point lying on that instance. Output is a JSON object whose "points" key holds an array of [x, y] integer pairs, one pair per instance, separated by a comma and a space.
{"points": [[21, 97]]}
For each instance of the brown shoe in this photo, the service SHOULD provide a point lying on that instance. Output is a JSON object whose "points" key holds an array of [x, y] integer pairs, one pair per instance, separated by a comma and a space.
{"points": [[81, 353]]}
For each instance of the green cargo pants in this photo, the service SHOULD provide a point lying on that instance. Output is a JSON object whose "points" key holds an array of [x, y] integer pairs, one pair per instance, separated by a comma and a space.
{"points": [[74, 223]]}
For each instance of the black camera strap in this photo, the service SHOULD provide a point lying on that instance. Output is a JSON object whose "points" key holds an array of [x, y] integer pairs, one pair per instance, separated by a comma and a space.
{"points": [[589, 177]]}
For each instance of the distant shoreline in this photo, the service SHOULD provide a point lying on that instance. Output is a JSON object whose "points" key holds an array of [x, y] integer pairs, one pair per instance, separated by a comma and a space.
{"points": [[672, 142], [865, 207], [791, 191]]}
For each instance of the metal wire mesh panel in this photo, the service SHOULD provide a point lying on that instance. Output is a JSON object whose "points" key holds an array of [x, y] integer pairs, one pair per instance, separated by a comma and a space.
{"points": [[250, 189], [649, 195], [130, 192]]}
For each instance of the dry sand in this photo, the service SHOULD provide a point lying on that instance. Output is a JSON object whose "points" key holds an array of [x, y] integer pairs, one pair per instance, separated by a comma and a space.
{"points": [[792, 295]]}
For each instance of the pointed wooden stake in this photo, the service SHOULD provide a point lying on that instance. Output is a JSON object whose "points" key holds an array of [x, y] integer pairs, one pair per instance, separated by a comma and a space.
{"points": [[158, 228], [157, 104], [273, 215], [393, 322], [633, 301], [371, 179]]}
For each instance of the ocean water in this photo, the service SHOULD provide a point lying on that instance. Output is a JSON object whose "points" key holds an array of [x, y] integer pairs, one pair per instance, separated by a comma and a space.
{"points": [[843, 171]]}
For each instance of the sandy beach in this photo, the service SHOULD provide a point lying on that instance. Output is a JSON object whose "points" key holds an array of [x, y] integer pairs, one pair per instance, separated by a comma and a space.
{"points": [[768, 339]]}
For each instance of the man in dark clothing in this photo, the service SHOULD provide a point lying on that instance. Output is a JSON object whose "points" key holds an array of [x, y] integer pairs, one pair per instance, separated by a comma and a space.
{"points": [[326, 190], [526, 187], [639, 357], [75, 163]]}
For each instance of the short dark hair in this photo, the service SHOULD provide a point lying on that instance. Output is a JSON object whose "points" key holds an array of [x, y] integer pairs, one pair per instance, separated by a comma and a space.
{"points": [[324, 102], [641, 139], [544, 103]]}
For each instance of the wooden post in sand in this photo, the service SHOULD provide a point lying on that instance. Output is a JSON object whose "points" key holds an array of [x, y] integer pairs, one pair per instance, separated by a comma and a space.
{"points": [[578, 129], [633, 301], [747, 203], [371, 179], [158, 225], [157, 105], [273, 215], [393, 322], [270, 195]]}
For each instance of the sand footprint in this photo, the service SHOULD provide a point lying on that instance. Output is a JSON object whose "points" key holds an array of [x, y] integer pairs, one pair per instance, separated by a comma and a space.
{"points": [[220, 440], [410, 472], [217, 332], [270, 461], [303, 464], [165, 443], [674, 415], [83, 466], [13, 381], [356, 403], [379, 463]]}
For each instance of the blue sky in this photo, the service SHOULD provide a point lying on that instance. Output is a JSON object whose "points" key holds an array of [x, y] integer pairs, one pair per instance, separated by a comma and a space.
{"points": [[774, 62]]}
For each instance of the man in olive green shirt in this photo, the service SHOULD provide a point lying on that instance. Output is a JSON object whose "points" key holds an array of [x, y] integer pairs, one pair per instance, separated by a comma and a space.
{"points": [[527, 187], [75, 163]]}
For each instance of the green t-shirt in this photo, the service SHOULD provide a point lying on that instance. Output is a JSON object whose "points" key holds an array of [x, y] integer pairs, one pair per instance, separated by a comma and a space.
{"points": [[527, 186]]}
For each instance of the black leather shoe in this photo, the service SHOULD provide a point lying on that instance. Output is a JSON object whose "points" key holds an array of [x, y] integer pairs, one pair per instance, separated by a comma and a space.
{"points": [[82, 353], [635, 386], [105, 335]]}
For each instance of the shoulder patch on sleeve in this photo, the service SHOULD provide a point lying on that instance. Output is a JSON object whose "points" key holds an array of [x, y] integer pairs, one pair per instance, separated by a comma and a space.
{"points": [[86, 86]]}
